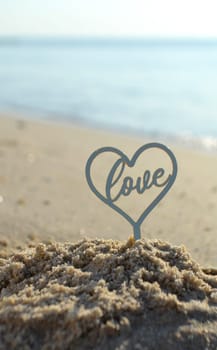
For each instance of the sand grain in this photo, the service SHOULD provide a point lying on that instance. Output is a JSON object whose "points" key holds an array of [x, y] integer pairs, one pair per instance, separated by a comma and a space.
{"points": [[106, 294]]}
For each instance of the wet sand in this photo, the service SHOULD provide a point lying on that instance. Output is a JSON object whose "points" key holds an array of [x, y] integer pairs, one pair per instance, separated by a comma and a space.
{"points": [[105, 294]]}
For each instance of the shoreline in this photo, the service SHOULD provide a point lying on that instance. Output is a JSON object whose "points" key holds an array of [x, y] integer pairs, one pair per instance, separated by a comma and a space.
{"points": [[204, 144], [45, 196]]}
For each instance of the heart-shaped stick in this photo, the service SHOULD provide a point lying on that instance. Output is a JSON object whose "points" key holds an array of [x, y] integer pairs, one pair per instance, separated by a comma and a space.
{"points": [[127, 186]]}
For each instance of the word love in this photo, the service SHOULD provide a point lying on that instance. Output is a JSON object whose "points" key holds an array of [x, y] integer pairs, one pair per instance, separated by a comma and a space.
{"points": [[124, 185], [141, 185]]}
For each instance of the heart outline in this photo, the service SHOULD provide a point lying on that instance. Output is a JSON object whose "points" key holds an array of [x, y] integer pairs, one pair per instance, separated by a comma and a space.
{"points": [[131, 162]]}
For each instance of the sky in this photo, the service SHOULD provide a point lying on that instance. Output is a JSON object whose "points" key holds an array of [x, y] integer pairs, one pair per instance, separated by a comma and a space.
{"points": [[143, 18]]}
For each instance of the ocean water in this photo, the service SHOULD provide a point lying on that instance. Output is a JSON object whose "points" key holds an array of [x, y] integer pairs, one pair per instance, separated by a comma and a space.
{"points": [[161, 87]]}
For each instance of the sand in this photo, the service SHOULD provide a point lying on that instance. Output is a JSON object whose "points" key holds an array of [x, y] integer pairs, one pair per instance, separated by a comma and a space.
{"points": [[44, 195], [105, 294], [101, 292]]}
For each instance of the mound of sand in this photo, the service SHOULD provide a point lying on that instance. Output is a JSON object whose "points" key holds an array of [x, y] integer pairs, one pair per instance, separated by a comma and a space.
{"points": [[103, 294]]}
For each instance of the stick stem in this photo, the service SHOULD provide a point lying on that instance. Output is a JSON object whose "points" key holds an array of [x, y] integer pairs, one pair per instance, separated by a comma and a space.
{"points": [[137, 232]]}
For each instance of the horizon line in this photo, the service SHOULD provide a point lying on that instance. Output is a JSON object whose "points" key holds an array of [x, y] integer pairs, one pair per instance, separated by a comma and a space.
{"points": [[105, 37]]}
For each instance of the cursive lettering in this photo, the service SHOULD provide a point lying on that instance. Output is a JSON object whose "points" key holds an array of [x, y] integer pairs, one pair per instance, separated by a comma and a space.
{"points": [[128, 184]]}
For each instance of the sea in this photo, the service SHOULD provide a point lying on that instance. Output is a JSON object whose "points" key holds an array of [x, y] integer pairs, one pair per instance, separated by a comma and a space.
{"points": [[160, 87]]}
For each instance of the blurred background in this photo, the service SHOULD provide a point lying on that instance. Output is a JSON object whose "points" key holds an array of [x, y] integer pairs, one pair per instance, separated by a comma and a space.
{"points": [[144, 70], [138, 66]]}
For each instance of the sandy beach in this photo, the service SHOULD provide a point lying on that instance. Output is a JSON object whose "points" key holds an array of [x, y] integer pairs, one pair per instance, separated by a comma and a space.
{"points": [[44, 198]]}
